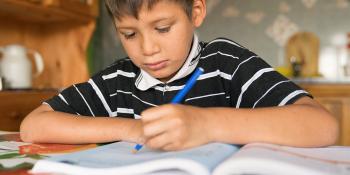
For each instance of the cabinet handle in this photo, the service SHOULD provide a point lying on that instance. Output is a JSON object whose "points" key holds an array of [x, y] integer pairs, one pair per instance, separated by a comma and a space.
{"points": [[15, 115]]}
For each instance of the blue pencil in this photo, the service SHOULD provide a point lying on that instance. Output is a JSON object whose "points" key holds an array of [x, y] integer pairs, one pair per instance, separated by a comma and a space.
{"points": [[180, 95]]}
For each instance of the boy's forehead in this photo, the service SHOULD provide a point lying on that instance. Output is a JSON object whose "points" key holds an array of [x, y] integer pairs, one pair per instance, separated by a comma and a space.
{"points": [[159, 11]]}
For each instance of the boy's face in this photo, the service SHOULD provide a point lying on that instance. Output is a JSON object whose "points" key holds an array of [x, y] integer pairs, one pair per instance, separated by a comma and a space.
{"points": [[160, 40]]}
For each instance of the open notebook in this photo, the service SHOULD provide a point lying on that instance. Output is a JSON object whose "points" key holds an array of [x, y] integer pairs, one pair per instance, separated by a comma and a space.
{"points": [[214, 158]]}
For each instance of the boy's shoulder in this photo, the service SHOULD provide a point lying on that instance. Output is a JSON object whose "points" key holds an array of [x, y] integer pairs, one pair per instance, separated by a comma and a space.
{"points": [[123, 65], [223, 45]]}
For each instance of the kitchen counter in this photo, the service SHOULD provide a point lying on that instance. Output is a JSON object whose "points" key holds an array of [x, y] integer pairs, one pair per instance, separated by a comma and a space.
{"points": [[322, 80]]}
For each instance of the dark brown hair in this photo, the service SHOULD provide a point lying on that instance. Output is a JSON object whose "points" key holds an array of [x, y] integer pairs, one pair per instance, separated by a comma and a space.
{"points": [[119, 8]]}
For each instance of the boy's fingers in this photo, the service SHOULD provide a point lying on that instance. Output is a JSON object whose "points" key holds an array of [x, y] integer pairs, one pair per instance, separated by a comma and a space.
{"points": [[151, 114], [140, 140], [156, 112], [170, 147], [156, 127], [159, 141]]}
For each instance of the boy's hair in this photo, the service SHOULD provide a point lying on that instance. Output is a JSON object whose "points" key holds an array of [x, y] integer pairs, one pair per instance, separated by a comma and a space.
{"points": [[120, 8]]}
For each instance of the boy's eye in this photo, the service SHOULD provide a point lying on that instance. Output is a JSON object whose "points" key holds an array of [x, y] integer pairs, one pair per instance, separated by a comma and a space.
{"points": [[129, 35], [163, 29]]}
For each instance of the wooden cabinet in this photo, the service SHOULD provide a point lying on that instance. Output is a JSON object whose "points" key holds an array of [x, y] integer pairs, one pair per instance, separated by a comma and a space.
{"points": [[336, 99], [49, 11], [58, 29], [15, 105]]}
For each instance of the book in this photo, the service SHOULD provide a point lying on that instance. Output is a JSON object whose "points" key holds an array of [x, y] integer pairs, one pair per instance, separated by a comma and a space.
{"points": [[12, 141], [17, 157], [213, 158]]}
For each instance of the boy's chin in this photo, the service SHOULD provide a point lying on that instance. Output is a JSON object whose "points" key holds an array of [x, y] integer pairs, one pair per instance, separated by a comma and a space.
{"points": [[164, 80], [163, 77]]}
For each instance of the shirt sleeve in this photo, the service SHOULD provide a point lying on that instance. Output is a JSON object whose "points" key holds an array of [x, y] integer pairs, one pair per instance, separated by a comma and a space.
{"points": [[257, 84], [88, 99]]}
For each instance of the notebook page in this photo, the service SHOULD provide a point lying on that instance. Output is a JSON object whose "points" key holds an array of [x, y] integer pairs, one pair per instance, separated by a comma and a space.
{"points": [[118, 158], [274, 159]]}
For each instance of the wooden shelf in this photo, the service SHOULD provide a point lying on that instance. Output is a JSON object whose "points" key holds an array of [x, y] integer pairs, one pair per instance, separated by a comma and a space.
{"points": [[59, 30], [49, 10]]}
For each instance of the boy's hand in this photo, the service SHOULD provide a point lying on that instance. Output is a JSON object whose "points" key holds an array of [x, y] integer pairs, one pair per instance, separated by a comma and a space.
{"points": [[174, 127], [134, 132]]}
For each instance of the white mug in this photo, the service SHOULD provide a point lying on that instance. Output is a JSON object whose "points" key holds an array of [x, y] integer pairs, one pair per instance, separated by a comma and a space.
{"points": [[16, 67]]}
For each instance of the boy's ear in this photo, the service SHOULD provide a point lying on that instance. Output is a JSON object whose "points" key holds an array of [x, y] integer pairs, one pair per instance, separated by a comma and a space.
{"points": [[198, 12]]}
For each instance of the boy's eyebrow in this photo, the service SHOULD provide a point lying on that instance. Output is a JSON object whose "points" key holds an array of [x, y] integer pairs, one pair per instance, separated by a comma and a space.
{"points": [[118, 28], [152, 22], [161, 19]]}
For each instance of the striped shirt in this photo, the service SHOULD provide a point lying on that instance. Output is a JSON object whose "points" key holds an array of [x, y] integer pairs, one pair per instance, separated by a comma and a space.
{"points": [[233, 77]]}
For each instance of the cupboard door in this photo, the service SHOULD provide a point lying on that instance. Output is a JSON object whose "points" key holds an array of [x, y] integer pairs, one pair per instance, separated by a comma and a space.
{"points": [[340, 108], [15, 105]]}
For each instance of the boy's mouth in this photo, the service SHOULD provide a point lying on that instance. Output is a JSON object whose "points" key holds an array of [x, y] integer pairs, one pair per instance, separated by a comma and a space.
{"points": [[156, 65]]}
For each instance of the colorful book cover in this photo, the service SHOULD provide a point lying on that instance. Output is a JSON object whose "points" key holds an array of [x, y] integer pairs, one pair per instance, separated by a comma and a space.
{"points": [[17, 157], [14, 142]]}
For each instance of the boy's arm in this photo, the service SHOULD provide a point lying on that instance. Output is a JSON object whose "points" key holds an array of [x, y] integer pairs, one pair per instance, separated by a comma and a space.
{"points": [[304, 123], [48, 126]]}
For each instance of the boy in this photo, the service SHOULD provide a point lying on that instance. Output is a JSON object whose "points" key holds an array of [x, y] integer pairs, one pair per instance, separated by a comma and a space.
{"points": [[238, 99]]}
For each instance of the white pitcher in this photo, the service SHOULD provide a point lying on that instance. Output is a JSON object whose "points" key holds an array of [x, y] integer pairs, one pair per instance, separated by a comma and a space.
{"points": [[16, 67]]}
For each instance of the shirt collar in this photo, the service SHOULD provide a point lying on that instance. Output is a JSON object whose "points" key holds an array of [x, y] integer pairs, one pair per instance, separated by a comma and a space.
{"points": [[145, 81]]}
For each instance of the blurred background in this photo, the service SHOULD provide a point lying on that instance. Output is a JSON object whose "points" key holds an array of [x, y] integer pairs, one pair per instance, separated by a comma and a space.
{"points": [[47, 45], [264, 27]]}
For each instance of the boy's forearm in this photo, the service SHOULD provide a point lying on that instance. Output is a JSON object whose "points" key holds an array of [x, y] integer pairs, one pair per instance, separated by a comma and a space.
{"points": [[295, 125], [58, 127]]}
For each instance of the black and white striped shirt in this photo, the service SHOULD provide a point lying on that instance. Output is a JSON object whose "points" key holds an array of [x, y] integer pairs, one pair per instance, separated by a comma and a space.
{"points": [[233, 77]]}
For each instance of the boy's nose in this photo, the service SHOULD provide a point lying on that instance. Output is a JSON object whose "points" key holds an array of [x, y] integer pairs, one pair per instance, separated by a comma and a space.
{"points": [[149, 47]]}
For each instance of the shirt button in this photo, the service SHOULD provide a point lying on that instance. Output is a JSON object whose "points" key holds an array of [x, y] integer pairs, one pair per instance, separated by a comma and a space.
{"points": [[166, 88]]}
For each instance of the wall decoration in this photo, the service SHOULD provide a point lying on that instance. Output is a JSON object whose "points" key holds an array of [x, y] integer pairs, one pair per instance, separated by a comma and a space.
{"points": [[342, 4], [255, 17], [230, 11], [211, 4], [281, 29], [284, 7], [325, 18], [309, 3]]}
